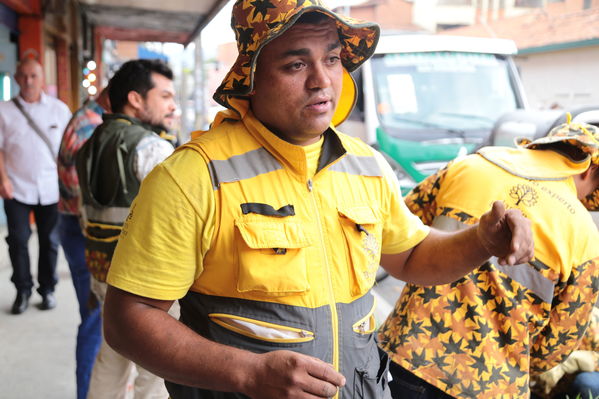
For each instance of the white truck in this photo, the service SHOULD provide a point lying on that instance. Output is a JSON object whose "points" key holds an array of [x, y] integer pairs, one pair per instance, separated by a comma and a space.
{"points": [[424, 99]]}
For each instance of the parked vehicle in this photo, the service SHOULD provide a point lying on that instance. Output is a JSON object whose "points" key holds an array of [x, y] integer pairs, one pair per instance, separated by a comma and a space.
{"points": [[425, 99], [533, 124]]}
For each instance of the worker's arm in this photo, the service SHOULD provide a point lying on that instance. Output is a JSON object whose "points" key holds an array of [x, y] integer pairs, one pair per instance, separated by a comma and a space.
{"points": [[141, 329], [445, 257]]}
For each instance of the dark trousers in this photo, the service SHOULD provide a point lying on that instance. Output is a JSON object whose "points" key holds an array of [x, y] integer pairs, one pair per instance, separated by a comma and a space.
{"points": [[19, 231], [406, 385], [89, 334]]}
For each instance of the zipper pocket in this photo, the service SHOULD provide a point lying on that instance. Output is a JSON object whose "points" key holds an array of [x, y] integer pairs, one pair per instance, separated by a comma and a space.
{"points": [[261, 330], [367, 324]]}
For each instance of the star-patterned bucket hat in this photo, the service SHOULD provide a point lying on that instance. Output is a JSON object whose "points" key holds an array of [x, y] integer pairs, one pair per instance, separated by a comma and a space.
{"points": [[257, 22], [581, 135]]}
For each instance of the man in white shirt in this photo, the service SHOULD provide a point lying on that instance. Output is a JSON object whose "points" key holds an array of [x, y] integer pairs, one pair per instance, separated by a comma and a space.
{"points": [[31, 127]]}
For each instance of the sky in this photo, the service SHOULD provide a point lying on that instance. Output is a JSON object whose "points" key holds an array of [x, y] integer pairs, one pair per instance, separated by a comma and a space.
{"points": [[219, 31]]}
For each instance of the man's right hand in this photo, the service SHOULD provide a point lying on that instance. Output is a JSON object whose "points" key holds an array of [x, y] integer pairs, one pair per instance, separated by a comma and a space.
{"points": [[290, 375], [5, 188]]}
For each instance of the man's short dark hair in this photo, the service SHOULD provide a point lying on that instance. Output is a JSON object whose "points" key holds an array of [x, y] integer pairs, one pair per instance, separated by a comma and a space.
{"points": [[135, 75], [570, 151], [313, 17]]}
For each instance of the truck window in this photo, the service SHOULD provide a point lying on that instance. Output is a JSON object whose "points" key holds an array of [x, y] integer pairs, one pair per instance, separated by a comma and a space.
{"points": [[451, 91]]}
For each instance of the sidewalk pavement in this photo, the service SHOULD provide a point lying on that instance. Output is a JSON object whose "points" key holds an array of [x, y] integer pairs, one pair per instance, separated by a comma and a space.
{"points": [[37, 348]]}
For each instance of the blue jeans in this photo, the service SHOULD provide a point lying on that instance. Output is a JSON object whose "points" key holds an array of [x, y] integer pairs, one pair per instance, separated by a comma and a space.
{"points": [[406, 385], [585, 384], [89, 334], [19, 232]]}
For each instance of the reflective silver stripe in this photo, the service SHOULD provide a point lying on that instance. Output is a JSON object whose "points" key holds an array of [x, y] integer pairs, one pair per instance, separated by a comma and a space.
{"points": [[317, 320], [529, 277], [241, 167], [357, 165], [524, 274], [114, 215], [446, 223]]}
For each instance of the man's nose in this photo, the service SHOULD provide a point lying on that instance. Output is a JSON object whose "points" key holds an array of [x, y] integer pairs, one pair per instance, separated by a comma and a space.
{"points": [[319, 77]]}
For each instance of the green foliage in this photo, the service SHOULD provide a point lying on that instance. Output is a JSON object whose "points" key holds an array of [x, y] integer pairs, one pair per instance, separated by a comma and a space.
{"points": [[579, 396]]}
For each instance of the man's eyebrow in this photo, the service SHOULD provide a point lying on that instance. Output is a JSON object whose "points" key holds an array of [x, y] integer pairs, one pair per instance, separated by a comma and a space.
{"points": [[334, 45], [305, 51]]}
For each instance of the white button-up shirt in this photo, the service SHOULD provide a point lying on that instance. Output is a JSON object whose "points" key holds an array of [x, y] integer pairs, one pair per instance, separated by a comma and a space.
{"points": [[29, 164]]}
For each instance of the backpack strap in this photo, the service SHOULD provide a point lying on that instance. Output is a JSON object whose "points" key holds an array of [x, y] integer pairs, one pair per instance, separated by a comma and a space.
{"points": [[34, 126]]}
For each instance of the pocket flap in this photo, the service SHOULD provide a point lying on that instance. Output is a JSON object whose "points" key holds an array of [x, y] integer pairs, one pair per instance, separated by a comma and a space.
{"points": [[359, 214], [272, 234]]}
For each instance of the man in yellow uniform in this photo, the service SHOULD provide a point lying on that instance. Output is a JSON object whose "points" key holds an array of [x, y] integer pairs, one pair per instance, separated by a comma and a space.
{"points": [[482, 335], [269, 228]]}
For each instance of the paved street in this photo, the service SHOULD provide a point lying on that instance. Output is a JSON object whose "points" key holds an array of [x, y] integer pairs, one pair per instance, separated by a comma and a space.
{"points": [[37, 348]]}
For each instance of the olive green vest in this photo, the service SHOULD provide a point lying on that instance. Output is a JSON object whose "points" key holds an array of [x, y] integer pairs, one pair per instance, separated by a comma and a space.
{"points": [[108, 185]]}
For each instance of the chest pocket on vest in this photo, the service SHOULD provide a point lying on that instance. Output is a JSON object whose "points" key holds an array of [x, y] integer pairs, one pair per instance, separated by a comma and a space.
{"points": [[272, 257], [363, 230]]}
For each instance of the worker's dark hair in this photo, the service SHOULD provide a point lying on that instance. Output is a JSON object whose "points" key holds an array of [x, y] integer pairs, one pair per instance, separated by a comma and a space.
{"points": [[567, 149], [313, 17], [135, 75]]}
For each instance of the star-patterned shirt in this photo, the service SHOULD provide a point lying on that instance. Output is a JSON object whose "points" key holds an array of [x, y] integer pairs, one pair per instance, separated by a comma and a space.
{"points": [[79, 129], [480, 336]]}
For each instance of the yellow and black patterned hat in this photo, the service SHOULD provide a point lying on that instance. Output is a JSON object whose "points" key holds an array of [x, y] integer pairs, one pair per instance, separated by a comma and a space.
{"points": [[581, 135], [257, 22]]}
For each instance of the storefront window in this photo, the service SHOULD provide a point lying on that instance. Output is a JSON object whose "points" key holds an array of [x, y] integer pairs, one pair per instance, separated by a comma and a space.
{"points": [[50, 72]]}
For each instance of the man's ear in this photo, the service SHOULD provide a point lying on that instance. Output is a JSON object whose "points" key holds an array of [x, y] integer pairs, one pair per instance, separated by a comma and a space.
{"points": [[594, 171], [591, 173], [135, 100], [584, 175], [587, 181]]}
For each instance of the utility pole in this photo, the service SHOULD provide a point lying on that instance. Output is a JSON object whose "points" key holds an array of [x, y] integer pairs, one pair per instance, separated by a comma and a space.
{"points": [[199, 85], [183, 94]]}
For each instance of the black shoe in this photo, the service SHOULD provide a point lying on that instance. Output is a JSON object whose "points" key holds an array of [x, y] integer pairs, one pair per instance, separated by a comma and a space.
{"points": [[21, 303], [48, 301]]}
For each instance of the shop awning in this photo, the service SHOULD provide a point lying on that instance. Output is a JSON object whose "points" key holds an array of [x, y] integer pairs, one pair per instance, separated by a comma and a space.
{"points": [[177, 21]]}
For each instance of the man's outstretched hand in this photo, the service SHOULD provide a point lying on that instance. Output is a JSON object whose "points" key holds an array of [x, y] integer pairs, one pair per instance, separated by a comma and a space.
{"points": [[290, 375], [506, 234]]}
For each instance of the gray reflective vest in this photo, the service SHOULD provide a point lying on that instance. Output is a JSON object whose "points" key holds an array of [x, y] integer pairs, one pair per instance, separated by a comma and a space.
{"points": [[292, 259]]}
